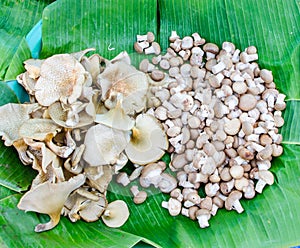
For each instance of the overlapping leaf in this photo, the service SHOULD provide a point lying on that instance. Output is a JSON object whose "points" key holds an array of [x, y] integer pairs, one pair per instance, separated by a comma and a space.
{"points": [[271, 219], [16, 19]]}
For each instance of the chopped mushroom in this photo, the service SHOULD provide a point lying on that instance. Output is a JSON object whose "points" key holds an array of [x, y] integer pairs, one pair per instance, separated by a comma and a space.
{"points": [[116, 214], [148, 141], [49, 198]]}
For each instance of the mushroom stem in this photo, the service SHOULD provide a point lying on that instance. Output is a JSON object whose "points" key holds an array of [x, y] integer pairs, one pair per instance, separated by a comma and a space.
{"points": [[260, 185], [237, 206], [203, 221]]}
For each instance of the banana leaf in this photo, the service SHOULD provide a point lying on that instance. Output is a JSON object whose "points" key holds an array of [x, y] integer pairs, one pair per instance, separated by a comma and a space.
{"points": [[271, 219]]}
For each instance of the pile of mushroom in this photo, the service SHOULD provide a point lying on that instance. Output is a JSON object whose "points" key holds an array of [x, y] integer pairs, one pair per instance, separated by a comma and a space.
{"points": [[221, 113], [83, 123], [213, 110]]}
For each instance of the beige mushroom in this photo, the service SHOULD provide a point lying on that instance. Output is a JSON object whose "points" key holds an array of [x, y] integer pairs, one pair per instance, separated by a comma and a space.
{"points": [[148, 141], [264, 177], [98, 177], [15, 115], [49, 198], [65, 118], [62, 78], [116, 118], [33, 67], [116, 214], [203, 215], [104, 145], [123, 79], [232, 201]]}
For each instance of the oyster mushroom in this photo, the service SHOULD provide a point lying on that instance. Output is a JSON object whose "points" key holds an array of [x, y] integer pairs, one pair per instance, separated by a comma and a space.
{"points": [[49, 198], [99, 177], [122, 79], [103, 145], [60, 116], [15, 115], [148, 141], [116, 118], [86, 205], [116, 214], [61, 78]]}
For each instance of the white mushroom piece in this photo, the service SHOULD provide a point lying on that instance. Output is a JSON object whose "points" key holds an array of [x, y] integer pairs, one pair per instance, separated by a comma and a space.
{"points": [[123, 79], [103, 145], [116, 118], [116, 214], [49, 198], [148, 141], [61, 79], [264, 177]]}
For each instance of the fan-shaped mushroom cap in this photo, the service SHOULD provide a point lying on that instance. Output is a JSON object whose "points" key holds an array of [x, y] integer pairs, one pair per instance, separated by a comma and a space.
{"points": [[38, 129], [49, 198], [122, 79], [15, 115], [104, 145], [116, 118], [116, 214], [99, 177], [62, 77], [148, 141]]}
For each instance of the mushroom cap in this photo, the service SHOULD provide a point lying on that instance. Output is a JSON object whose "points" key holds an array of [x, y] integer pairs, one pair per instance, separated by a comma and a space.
{"points": [[123, 79], [38, 129], [49, 198], [233, 196], [116, 118], [148, 141], [167, 183], [117, 214], [15, 115], [174, 207], [60, 116], [266, 176], [104, 145], [61, 77]]}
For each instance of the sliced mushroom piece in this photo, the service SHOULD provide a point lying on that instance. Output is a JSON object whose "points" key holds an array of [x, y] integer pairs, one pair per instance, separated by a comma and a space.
{"points": [[15, 116], [116, 214], [49, 198], [103, 145], [148, 141], [116, 118], [122, 78]]}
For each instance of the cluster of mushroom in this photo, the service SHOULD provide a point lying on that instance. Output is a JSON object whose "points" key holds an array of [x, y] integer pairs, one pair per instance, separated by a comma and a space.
{"points": [[221, 113], [83, 123]]}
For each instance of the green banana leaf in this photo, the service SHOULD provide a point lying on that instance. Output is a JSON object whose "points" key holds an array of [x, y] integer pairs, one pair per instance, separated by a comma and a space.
{"points": [[271, 219]]}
